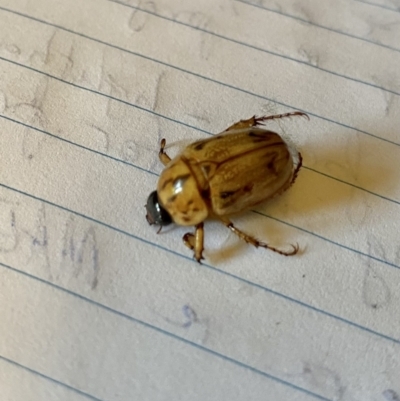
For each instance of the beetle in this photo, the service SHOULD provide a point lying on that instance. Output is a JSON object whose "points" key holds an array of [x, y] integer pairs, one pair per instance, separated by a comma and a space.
{"points": [[220, 176]]}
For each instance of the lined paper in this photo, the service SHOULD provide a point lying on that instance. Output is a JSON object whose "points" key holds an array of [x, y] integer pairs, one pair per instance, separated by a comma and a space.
{"points": [[94, 304]]}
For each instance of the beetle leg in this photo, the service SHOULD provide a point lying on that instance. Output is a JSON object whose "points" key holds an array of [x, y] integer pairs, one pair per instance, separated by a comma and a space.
{"points": [[254, 121], [165, 159], [296, 170], [251, 240], [259, 120], [196, 241], [189, 241], [242, 124]]}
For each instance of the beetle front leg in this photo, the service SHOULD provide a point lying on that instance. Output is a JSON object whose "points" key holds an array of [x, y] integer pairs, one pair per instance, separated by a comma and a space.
{"points": [[253, 241], [165, 159], [196, 242]]}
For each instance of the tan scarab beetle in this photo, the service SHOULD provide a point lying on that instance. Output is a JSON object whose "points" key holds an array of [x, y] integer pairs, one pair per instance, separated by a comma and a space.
{"points": [[223, 175]]}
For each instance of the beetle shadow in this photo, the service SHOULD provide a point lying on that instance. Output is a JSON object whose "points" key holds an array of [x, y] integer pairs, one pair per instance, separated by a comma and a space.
{"points": [[273, 235], [226, 252], [336, 176], [347, 178]]}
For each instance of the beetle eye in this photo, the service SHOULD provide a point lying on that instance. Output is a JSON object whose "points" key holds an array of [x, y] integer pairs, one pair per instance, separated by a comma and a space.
{"points": [[156, 214]]}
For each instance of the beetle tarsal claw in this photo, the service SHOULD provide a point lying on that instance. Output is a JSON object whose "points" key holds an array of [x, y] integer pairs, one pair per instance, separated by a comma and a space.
{"points": [[189, 240], [296, 249], [198, 259], [165, 159]]}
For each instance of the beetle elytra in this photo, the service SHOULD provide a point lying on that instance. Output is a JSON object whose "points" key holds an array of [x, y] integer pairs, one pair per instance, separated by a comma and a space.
{"points": [[216, 177]]}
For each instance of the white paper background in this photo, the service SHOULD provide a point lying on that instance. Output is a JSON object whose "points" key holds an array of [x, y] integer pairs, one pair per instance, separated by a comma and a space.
{"points": [[94, 305]]}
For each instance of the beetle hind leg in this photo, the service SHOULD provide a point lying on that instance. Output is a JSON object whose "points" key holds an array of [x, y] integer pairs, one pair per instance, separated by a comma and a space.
{"points": [[255, 121], [242, 124], [297, 169], [253, 241], [196, 241], [165, 159], [260, 120]]}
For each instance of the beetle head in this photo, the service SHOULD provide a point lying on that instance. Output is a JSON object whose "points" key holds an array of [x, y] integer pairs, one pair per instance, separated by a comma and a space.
{"points": [[156, 214]]}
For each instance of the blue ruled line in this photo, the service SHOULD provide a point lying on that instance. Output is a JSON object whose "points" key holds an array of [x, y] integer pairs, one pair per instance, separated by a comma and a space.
{"points": [[262, 7], [35, 372], [197, 75], [215, 269], [159, 330], [370, 3], [394, 201], [260, 49]]}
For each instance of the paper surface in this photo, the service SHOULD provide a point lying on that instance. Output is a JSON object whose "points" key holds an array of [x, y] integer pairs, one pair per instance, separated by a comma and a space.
{"points": [[94, 305]]}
